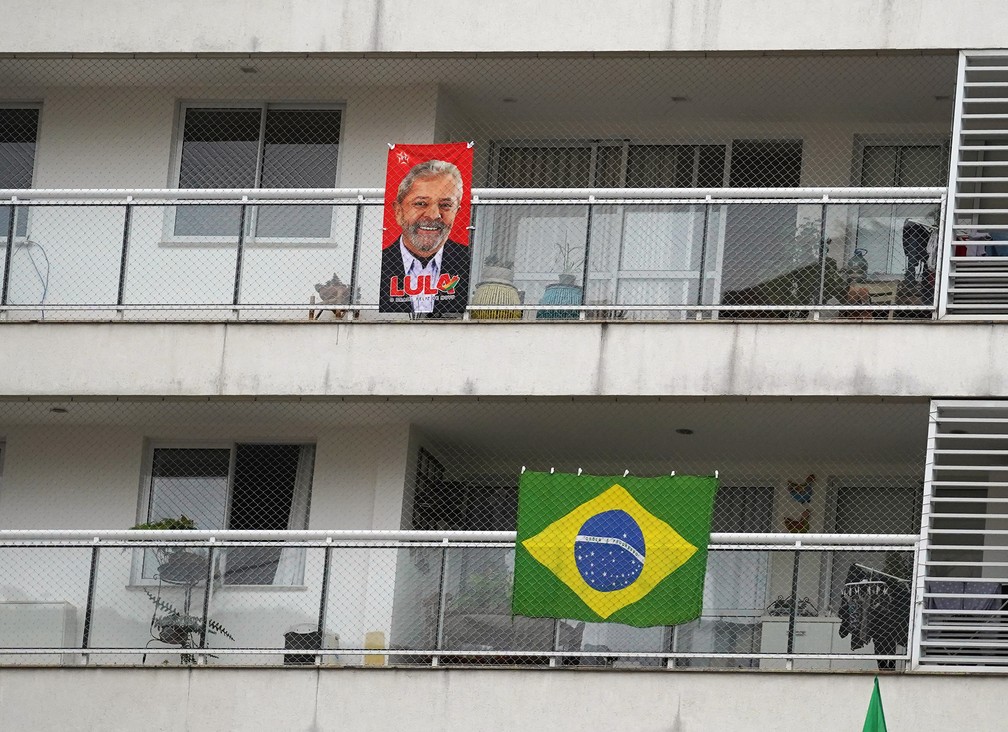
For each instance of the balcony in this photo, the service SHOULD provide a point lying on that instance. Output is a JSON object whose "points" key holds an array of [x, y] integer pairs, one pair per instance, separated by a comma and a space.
{"points": [[413, 598], [387, 523], [555, 254]]}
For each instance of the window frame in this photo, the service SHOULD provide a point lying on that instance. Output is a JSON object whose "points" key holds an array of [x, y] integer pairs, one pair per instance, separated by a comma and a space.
{"points": [[170, 238], [145, 496]]}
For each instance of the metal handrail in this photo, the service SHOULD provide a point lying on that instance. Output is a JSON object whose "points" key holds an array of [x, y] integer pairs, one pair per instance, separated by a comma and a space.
{"points": [[407, 535], [350, 196]]}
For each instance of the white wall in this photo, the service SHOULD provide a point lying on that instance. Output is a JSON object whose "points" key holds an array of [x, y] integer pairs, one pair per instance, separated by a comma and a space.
{"points": [[489, 700], [235, 26], [505, 359]]}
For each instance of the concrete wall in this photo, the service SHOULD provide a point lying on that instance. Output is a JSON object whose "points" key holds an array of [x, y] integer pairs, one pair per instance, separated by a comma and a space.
{"points": [[561, 700], [238, 26], [920, 359]]}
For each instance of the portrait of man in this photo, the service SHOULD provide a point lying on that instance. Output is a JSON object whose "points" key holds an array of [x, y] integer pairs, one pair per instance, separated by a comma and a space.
{"points": [[424, 271]]}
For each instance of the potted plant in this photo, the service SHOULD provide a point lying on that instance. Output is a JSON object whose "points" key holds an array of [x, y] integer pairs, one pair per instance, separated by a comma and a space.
{"points": [[185, 567], [496, 287], [567, 289]]}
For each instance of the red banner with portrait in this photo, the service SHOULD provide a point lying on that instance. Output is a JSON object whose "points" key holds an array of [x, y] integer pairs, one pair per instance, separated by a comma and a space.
{"points": [[425, 243]]}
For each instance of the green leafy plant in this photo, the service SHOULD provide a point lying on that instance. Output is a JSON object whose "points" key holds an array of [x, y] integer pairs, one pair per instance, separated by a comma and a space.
{"points": [[177, 627], [182, 523], [163, 553]]}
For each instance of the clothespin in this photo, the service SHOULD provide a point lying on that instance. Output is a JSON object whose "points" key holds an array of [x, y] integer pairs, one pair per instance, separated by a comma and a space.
{"points": [[626, 472], [715, 475], [672, 474], [579, 471], [523, 470], [551, 470]]}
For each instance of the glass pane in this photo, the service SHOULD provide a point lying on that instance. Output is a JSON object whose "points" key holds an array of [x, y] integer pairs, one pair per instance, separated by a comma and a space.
{"points": [[190, 482], [710, 170], [660, 166], [264, 481], [18, 131], [608, 166], [220, 148], [544, 167], [300, 151], [878, 167], [922, 165], [765, 164]]}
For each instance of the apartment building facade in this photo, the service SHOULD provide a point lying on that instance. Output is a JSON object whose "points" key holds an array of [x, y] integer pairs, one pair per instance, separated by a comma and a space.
{"points": [[758, 241]]}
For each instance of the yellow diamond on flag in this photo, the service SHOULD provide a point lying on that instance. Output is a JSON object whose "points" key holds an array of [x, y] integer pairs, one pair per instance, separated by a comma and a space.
{"points": [[583, 559]]}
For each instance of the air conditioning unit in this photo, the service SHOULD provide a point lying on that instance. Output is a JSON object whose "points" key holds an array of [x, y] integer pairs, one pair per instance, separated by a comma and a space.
{"points": [[38, 625]]}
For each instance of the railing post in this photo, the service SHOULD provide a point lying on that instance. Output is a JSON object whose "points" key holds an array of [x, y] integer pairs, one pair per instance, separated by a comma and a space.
{"points": [[89, 603], [822, 255], [12, 210], [324, 597], [467, 315], [241, 251], [442, 589], [127, 220], [703, 256], [207, 591], [587, 252], [792, 615], [355, 255]]}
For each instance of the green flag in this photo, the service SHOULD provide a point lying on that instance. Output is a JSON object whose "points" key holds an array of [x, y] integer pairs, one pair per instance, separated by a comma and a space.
{"points": [[612, 549], [875, 719]]}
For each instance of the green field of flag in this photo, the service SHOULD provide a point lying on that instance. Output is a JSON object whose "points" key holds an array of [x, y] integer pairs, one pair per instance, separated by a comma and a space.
{"points": [[612, 549], [875, 718]]}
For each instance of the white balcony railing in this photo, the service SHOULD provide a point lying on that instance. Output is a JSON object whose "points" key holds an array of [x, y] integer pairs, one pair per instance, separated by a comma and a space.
{"points": [[771, 601], [628, 254]]}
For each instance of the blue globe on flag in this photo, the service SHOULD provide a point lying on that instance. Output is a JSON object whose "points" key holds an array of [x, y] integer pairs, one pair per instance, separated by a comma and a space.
{"points": [[609, 551]]}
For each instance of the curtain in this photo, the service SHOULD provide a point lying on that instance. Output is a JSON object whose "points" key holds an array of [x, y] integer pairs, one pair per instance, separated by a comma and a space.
{"points": [[290, 568]]}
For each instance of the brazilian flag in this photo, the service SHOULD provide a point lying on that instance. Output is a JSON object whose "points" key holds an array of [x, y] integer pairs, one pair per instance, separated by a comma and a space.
{"points": [[612, 549]]}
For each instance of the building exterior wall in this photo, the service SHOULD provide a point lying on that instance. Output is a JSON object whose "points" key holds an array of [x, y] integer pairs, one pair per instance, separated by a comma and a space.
{"points": [[374, 699], [363, 26], [530, 359]]}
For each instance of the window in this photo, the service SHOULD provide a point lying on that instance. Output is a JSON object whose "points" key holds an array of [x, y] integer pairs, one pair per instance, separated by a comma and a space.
{"points": [[241, 486], [609, 165], [879, 227], [888, 166], [18, 135], [264, 146]]}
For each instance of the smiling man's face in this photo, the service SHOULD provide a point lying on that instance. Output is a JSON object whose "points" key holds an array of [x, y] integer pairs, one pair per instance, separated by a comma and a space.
{"points": [[426, 214]]}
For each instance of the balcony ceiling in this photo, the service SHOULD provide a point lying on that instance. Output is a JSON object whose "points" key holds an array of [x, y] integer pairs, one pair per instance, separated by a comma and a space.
{"points": [[643, 432], [750, 88]]}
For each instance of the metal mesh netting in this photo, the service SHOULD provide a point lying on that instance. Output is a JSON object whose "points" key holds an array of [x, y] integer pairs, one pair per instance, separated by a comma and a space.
{"points": [[853, 468], [607, 122]]}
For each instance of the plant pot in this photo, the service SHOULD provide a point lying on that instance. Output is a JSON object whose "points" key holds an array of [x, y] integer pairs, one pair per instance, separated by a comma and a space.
{"points": [[176, 635], [560, 294]]}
